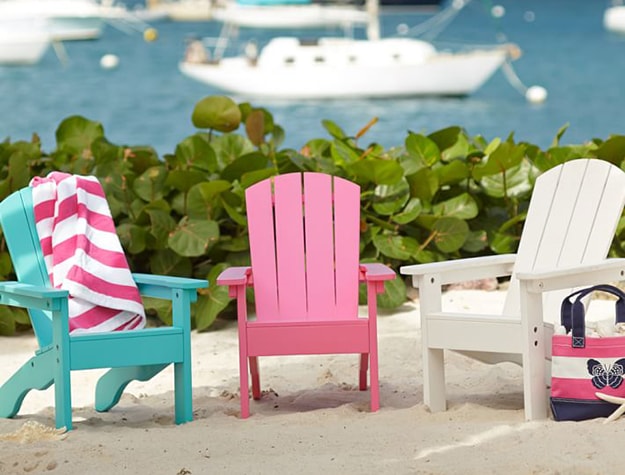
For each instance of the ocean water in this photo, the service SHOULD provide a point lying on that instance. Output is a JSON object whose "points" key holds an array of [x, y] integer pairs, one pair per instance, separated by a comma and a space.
{"points": [[147, 101]]}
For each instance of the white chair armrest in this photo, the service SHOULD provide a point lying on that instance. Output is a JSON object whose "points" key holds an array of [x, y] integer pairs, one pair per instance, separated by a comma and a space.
{"points": [[609, 270], [461, 270]]}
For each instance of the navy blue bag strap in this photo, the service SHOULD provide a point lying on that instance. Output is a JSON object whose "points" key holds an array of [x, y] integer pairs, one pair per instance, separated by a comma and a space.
{"points": [[573, 312]]}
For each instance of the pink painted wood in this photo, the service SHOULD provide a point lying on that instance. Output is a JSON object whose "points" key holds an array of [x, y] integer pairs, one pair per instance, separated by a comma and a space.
{"points": [[304, 246]]}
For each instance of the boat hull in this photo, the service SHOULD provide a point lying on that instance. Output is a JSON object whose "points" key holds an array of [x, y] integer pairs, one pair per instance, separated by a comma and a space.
{"points": [[23, 42], [289, 16], [76, 29], [66, 19], [22, 49], [427, 74]]}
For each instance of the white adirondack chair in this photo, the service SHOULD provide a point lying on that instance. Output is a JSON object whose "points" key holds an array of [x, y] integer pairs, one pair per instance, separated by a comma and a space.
{"points": [[571, 221]]}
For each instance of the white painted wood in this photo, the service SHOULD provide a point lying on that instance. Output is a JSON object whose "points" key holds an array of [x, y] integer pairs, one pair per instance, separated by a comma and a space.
{"points": [[572, 217]]}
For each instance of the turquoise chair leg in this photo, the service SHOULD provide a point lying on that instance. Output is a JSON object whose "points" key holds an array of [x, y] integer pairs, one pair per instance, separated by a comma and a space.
{"points": [[35, 374], [183, 396], [61, 345], [63, 397], [182, 389], [111, 384]]}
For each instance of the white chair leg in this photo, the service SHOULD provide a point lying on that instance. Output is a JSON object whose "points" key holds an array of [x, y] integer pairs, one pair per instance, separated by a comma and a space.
{"points": [[534, 355], [434, 379]]}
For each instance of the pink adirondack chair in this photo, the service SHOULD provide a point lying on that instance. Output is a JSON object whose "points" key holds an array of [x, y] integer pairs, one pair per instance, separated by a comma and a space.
{"points": [[304, 245]]}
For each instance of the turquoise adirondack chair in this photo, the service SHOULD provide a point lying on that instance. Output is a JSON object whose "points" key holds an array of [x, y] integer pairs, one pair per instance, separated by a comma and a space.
{"points": [[131, 355], [304, 232]]}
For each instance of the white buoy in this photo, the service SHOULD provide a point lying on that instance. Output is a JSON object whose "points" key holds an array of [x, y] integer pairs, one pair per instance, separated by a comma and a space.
{"points": [[498, 11], [109, 61], [402, 29], [536, 94]]}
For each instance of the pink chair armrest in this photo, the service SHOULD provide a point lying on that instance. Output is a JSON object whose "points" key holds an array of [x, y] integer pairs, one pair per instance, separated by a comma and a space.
{"points": [[376, 272], [235, 276]]}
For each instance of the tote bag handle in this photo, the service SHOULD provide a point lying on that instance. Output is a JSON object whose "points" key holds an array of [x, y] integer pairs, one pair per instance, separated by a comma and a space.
{"points": [[573, 312]]}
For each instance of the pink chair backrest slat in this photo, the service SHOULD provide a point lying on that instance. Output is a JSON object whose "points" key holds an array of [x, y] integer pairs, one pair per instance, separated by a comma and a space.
{"points": [[347, 248], [304, 244], [262, 238], [319, 246], [289, 244]]}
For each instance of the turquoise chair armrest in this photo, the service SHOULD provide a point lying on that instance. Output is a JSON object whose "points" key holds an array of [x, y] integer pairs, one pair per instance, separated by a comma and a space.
{"points": [[31, 296], [163, 286], [170, 281]]}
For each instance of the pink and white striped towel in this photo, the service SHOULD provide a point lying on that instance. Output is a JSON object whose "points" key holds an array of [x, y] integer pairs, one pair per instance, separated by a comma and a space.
{"points": [[83, 254]]}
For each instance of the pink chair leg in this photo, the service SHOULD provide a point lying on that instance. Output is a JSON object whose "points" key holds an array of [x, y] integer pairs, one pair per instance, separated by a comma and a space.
{"points": [[372, 290], [255, 377], [244, 386], [364, 367], [375, 384]]}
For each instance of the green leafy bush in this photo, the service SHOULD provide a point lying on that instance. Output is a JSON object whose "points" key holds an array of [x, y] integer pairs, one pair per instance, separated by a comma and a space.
{"points": [[438, 196]]}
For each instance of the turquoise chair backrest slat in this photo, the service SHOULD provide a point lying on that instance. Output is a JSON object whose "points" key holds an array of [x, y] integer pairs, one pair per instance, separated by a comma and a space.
{"points": [[17, 219]]}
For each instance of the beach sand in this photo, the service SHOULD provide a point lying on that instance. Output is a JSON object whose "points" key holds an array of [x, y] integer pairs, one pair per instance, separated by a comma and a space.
{"points": [[311, 419]]}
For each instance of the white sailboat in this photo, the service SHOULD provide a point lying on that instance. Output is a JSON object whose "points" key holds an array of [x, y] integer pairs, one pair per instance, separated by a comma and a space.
{"points": [[328, 68], [66, 19], [23, 42]]}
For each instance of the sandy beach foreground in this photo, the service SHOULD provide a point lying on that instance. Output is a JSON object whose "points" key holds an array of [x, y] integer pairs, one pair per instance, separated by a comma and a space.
{"points": [[311, 420]]}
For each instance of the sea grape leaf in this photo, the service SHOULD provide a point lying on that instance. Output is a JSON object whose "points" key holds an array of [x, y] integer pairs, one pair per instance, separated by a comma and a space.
{"points": [[195, 151], [193, 237], [450, 234], [410, 212], [167, 262], [255, 127], [453, 172], [149, 186], [396, 247], [184, 180], [244, 164], [75, 134], [212, 300], [378, 171], [132, 237], [388, 199], [394, 293], [504, 157], [216, 113], [201, 198], [462, 206], [333, 129], [423, 185], [423, 151]]}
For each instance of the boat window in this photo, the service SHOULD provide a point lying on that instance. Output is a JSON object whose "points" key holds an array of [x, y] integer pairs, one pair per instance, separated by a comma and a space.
{"points": [[320, 59], [352, 59], [289, 60], [397, 56]]}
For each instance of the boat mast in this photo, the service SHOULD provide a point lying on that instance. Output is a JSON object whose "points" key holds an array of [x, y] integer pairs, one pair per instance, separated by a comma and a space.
{"points": [[373, 26]]}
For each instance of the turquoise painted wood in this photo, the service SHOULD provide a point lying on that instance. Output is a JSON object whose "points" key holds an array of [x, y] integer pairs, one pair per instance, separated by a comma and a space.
{"points": [[304, 232], [132, 355]]}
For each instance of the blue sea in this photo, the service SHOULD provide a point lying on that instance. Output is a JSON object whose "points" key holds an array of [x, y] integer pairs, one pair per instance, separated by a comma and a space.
{"points": [[147, 101]]}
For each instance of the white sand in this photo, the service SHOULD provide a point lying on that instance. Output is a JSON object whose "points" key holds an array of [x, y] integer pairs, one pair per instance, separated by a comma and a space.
{"points": [[312, 419]]}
